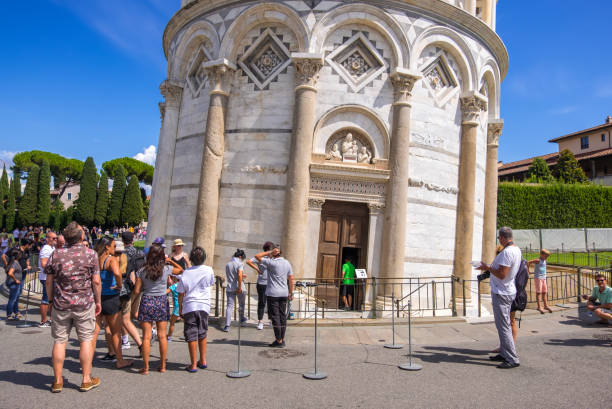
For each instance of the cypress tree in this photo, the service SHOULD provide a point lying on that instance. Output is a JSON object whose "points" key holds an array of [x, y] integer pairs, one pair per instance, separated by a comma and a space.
{"points": [[4, 185], [568, 169], [9, 213], [27, 205], [102, 200], [539, 172], [17, 184], [43, 205], [117, 195], [86, 203], [57, 211], [131, 212]]}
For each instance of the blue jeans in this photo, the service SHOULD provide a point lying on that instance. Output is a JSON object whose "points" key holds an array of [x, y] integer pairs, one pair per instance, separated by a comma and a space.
{"points": [[13, 301]]}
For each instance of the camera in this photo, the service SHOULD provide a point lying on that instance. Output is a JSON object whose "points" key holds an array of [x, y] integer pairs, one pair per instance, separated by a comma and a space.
{"points": [[483, 276]]}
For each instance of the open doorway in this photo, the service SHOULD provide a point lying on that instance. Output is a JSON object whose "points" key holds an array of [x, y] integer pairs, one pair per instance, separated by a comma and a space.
{"points": [[347, 290]]}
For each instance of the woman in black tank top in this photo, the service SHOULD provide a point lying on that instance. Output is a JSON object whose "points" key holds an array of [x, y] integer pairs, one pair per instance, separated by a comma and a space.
{"points": [[178, 256]]}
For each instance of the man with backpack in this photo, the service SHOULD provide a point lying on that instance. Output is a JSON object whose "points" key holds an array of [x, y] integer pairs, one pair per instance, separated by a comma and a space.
{"points": [[130, 301], [503, 293]]}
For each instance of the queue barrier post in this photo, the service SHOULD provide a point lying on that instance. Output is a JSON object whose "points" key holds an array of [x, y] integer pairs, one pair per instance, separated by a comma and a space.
{"points": [[316, 375], [240, 373], [393, 345], [409, 366]]}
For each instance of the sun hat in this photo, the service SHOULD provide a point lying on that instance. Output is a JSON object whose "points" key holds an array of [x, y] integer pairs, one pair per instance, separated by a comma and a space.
{"points": [[178, 242]]}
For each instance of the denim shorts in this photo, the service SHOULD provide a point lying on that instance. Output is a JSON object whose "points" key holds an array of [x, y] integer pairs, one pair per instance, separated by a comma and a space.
{"points": [[45, 297]]}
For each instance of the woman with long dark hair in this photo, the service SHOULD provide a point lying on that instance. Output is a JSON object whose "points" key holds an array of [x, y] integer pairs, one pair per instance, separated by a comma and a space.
{"points": [[152, 279], [234, 274], [111, 305], [14, 277]]}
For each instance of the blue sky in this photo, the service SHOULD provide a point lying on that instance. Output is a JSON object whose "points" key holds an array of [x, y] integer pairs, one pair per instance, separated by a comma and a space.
{"points": [[81, 77]]}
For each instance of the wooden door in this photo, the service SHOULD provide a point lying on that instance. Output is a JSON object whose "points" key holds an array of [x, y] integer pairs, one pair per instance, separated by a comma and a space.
{"points": [[343, 226]]}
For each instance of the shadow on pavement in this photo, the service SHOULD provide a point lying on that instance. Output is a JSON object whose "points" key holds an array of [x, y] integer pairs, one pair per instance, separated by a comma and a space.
{"points": [[579, 342], [245, 343], [33, 379], [454, 356]]}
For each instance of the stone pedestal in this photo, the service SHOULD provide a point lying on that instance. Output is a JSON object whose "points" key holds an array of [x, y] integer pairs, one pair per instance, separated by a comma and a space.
{"points": [[472, 105], [490, 206], [160, 191], [205, 230], [307, 67], [394, 232]]}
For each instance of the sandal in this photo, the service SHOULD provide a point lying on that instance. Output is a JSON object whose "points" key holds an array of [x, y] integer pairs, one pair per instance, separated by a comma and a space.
{"points": [[191, 370], [202, 366]]}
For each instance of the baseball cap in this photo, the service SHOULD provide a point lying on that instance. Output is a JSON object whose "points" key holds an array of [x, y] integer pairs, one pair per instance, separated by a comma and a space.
{"points": [[160, 241]]}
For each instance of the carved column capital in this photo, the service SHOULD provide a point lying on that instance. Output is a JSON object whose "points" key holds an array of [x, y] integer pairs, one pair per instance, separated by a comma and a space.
{"points": [[494, 131], [315, 203], [376, 207], [172, 93], [162, 110], [307, 69], [472, 105], [403, 82], [219, 76]]}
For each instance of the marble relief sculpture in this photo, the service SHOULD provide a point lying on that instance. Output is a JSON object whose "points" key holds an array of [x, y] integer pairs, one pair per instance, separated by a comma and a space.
{"points": [[348, 149]]}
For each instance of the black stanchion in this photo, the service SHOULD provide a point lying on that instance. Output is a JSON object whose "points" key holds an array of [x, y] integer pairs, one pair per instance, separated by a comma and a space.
{"points": [[316, 375], [240, 373], [410, 366], [25, 323], [393, 345]]}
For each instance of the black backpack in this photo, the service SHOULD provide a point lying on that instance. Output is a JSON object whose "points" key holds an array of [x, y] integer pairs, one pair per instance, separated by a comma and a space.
{"points": [[520, 282], [135, 261]]}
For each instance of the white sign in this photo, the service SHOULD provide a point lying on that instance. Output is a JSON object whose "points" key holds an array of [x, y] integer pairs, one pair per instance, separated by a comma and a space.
{"points": [[361, 273]]}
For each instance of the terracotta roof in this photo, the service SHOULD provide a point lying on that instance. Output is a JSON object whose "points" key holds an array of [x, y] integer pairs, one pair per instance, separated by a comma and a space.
{"points": [[595, 128], [551, 159]]}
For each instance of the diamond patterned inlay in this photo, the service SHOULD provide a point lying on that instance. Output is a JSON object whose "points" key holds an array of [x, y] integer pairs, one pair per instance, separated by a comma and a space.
{"points": [[196, 74], [265, 59], [440, 79], [357, 61]]}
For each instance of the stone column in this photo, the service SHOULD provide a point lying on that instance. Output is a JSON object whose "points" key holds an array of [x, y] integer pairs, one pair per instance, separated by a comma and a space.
{"points": [[307, 67], [394, 231], [205, 230], [164, 163], [472, 105], [489, 230], [313, 230], [470, 6]]}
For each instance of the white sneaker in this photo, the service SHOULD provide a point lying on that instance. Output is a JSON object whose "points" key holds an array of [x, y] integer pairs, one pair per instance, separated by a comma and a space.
{"points": [[125, 345], [260, 325]]}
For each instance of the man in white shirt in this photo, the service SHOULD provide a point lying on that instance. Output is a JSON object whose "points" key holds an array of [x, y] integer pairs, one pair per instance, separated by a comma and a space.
{"points": [[43, 259], [503, 291]]}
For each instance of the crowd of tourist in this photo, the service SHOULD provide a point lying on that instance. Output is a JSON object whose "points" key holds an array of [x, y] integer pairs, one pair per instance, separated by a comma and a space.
{"points": [[95, 282]]}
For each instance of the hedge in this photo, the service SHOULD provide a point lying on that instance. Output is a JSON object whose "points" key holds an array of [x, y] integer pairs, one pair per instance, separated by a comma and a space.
{"points": [[554, 206]]}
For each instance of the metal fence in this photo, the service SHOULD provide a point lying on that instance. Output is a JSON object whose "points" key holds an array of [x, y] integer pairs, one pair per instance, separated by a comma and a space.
{"points": [[572, 258]]}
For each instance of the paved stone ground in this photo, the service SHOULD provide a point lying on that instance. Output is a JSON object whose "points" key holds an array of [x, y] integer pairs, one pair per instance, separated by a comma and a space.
{"points": [[564, 362]]}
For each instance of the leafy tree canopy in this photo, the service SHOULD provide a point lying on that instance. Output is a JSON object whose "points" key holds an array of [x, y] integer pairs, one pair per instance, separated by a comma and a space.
{"points": [[568, 169], [539, 172], [143, 171], [62, 169]]}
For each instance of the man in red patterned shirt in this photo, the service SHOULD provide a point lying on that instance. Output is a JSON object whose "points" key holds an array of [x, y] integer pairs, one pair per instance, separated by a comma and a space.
{"points": [[73, 284]]}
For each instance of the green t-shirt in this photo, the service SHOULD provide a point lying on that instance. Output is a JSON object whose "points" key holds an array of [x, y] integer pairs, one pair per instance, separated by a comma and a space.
{"points": [[604, 298], [348, 273]]}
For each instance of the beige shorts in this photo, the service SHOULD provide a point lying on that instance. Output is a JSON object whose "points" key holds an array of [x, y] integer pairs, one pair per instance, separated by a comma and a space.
{"points": [[126, 305], [83, 321]]}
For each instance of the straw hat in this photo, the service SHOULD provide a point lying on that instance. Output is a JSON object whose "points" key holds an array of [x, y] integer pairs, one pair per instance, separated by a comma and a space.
{"points": [[119, 248], [178, 242]]}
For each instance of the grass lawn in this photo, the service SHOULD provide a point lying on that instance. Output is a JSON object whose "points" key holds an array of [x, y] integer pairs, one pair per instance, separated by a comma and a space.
{"points": [[599, 259]]}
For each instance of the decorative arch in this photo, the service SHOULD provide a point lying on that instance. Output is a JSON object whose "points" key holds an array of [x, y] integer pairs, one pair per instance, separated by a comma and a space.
{"points": [[451, 42], [357, 118], [367, 15], [200, 33], [490, 78], [256, 16]]}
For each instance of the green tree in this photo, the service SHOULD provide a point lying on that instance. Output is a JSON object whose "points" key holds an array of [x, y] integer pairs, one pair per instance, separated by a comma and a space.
{"points": [[85, 205], [27, 205], [143, 171], [539, 172], [4, 191], [568, 169], [117, 195], [9, 213], [57, 213], [131, 213], [43, 204], [102, 200], [64, 170], [16, 185], [67, 216]]}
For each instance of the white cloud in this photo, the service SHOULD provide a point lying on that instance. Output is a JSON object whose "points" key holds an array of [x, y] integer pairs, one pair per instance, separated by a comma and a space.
{"points": [[6, 158], [148, 156]]}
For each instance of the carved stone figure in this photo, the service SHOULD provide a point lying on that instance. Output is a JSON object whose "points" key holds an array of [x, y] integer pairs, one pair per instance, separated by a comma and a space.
{"points": [[347, 145], [334, 153], [364, 155]]}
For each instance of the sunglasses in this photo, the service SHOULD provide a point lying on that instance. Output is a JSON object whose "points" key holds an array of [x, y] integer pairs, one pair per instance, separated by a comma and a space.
{"points": [[600, 281]]}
